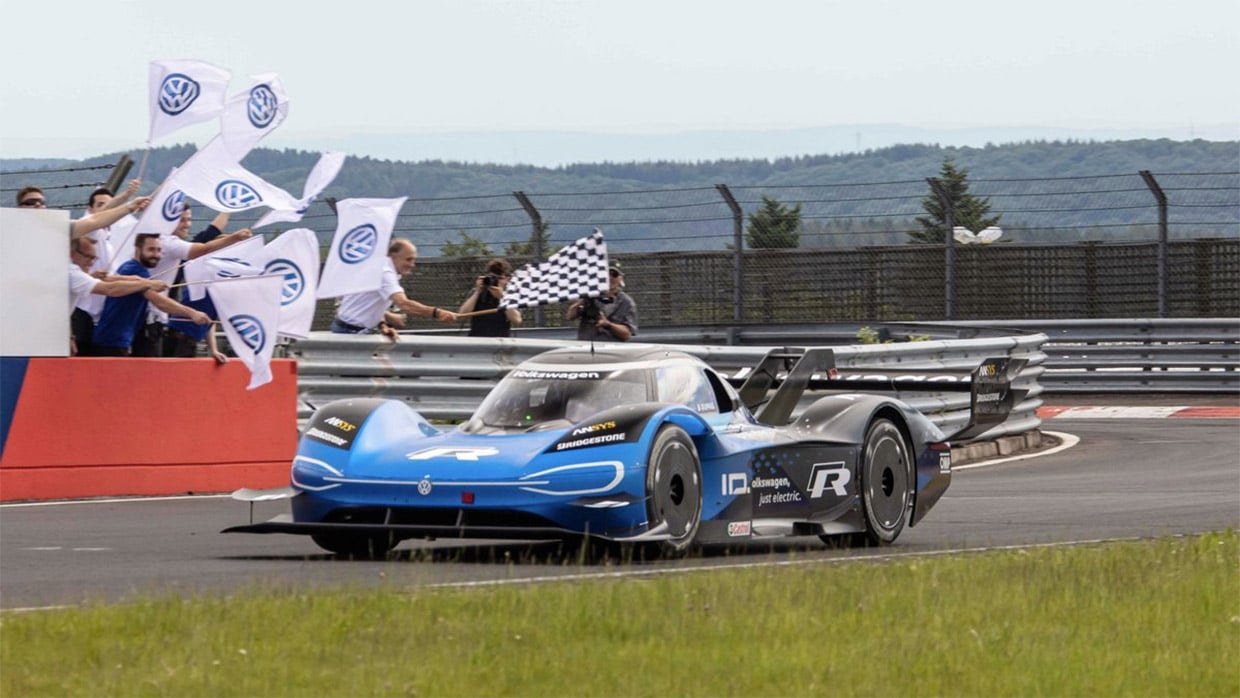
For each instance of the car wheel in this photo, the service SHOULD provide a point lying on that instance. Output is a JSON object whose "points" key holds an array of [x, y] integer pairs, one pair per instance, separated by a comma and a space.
{"points": [[886, 482], [354, 545], [674, 488]]}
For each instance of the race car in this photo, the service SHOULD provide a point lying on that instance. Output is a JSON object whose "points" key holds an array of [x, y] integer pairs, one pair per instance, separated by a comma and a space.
{"points": [[632, 444]]}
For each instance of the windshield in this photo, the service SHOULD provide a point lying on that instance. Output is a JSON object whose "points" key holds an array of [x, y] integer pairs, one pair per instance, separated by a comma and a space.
{"points": [[527, 397]]}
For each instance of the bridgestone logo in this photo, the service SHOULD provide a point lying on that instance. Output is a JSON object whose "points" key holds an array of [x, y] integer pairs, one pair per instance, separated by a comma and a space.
{"points": [[592, 441], [556, 375], [329, 438]]}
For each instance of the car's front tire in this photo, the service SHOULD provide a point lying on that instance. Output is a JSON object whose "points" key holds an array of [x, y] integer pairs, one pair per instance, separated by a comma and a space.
{"points": [[674, 488]]}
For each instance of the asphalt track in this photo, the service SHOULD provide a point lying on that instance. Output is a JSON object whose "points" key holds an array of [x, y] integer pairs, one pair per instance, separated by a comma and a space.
{"points": [[1126, 478]]}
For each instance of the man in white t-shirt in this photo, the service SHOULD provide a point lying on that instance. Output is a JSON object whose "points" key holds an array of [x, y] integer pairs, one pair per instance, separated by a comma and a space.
{"points": [[89, 307], [363, 313], [82, 254]]}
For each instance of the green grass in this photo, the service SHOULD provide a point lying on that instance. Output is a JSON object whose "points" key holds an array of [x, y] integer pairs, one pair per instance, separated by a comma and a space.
{"points": [[1157, 618]]}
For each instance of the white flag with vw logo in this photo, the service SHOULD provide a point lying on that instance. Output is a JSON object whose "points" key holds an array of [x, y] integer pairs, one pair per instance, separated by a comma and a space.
{"points": [[215, 179], [249, 312], [162, 214], [359, 248], [243, 258], [295, 256], [252, 114], [324, 171], [185, 92]]}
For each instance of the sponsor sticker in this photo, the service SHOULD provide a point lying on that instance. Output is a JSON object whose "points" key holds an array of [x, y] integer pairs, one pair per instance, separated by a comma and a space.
{"points": [[340, 424], [591, 428], [590, 441], [739, 528], [321, 435]]}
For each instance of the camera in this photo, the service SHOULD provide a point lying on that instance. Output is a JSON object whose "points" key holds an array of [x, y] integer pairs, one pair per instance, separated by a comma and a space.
{"points": [[593, 308], [490, 280]]}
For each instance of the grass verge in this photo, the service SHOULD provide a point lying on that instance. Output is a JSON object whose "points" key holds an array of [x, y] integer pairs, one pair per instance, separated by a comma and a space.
{"points": [[1158, 618]]}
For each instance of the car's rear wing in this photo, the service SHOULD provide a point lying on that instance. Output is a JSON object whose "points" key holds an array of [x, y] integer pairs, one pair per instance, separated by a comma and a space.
{"points": [[792, 371]]}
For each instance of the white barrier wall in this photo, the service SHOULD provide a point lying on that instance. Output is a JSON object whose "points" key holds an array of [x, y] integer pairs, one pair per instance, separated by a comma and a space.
{"points": [[34, 282]]}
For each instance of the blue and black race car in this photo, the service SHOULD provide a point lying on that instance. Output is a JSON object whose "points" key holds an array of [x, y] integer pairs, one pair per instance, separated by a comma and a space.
{"points": [[634, 444]]}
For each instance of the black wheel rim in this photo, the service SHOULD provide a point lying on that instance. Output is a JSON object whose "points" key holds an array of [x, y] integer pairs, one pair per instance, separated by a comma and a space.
{"points": [[886, 479], [675, 490]]}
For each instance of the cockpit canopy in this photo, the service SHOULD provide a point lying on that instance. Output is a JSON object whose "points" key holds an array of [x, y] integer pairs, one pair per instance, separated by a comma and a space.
{"points": [[555, 395]]}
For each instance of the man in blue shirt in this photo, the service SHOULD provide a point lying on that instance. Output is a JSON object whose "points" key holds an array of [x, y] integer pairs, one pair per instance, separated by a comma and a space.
{"points": [[124, 315]]}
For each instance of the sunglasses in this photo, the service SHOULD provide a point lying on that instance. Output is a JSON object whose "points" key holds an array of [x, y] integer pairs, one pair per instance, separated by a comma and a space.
{"points": [[33, 202]]}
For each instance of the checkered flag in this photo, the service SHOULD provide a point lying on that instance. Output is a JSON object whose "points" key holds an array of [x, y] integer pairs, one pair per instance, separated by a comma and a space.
{"points": [[577, 271]]}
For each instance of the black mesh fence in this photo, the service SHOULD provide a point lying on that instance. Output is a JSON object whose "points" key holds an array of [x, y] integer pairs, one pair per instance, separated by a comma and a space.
{"points": [[1072, 247]]}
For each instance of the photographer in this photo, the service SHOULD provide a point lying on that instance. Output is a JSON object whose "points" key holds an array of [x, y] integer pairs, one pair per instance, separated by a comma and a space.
{"points": [[612, 318], [485, 295]]}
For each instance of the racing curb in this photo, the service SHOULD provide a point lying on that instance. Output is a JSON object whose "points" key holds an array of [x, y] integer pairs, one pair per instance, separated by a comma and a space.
{"points": [[1031, 440]]}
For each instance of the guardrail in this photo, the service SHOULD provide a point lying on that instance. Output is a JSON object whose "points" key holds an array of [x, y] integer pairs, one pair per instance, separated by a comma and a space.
{"points": [[446, 377], [1082, 356], [1141, 355]]}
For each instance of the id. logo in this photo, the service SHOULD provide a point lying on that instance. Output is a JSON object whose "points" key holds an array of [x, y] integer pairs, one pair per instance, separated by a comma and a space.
{"points": [[177, 93], [235, 194], [174, 205], [294, 281], [358, 244], [263, 105], [250, 330]]}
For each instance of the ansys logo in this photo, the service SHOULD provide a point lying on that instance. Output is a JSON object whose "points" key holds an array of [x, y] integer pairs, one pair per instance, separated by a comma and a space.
{"points": [[177, 93], [250, 330], [262, 106], [358, 244], [235, 194], [294, 281], [174, 205]]}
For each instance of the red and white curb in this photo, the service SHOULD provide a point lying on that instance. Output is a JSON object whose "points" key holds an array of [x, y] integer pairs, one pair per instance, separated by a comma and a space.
{"points": [[1147, 412]]}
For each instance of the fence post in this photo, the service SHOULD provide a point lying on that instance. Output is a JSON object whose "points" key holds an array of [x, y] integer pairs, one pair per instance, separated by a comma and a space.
{"points": [[1161, 198], [738, 258], [536, 237], [949, 241]]}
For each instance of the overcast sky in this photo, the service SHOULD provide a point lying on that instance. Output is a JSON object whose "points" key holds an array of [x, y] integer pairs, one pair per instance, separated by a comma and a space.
{"points": [[75, 79]]}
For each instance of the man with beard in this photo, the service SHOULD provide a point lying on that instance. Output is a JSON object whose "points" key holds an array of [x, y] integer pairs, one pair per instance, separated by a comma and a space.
{"points": [[82, 284], [122, 316], [177, 248]]}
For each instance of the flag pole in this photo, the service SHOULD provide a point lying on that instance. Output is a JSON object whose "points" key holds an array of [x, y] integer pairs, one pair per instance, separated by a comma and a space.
{"points": [[146, 154], [474, 313], [232, 278]]}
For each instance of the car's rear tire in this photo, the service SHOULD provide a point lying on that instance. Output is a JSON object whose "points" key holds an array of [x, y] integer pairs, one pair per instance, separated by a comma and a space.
{"points": [[367, 547], [674, 488], [886, 470]]}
